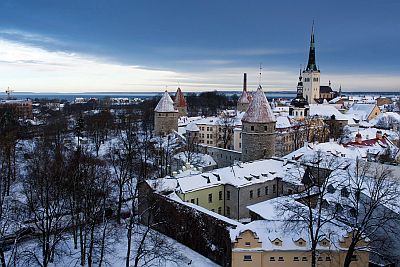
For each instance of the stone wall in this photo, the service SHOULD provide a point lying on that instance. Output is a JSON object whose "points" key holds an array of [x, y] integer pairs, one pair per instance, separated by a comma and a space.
{"points": [[199, 231], [258, 143], [223, 157], [165, 122]]}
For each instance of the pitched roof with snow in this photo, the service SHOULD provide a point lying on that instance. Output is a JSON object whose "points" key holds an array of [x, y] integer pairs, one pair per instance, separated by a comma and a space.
{"points": [[165, 104], [259, 110], [361, 111], [180, 100], [192, 127], [326, 111]]}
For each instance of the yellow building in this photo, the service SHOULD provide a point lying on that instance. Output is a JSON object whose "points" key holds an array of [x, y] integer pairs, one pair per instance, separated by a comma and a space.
{"points": [[272, 243]]}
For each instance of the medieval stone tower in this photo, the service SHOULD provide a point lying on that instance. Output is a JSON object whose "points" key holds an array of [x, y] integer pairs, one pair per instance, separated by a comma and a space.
{"points": [[180, 103], [244, 100], [165, 116], [311, 75], [258, 129]]}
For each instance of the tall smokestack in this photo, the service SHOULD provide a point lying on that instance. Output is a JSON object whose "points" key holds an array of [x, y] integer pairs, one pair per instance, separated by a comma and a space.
{"points": [[245, 82]]}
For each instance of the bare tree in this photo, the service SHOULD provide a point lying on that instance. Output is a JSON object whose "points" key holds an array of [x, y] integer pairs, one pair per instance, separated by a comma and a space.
{"points": [[225, 130], [372, 196], [45, 197], [305, 211]]}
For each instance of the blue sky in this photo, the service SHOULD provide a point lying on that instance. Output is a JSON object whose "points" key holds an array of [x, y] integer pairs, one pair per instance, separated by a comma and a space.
{"points": [[126, 45]]}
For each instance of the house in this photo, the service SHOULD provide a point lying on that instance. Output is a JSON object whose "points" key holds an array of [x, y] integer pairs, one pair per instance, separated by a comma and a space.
{"points": [[271, 243], [363, 111]]}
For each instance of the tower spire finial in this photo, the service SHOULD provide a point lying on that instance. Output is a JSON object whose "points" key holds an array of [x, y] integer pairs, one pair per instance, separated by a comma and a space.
{"points": [[259, 78], [312, 65]]}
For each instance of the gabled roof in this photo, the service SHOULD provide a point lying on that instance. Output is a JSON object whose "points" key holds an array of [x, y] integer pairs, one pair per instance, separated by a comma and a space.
{"points": [[325, 89], [165, 104], [180, 100], [259, 110]]}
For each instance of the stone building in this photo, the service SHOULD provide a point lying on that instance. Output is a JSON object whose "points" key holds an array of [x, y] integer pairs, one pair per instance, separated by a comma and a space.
{"points": [[245, 98], [165, 116], [180, 103], [20, 108], [258, 129]]}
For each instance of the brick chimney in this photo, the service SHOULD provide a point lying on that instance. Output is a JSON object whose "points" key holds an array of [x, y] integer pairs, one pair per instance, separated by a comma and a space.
{"points": [[244, 81], [358, 138], [379, 135]]}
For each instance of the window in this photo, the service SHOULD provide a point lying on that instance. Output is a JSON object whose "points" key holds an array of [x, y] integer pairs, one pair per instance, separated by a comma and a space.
{"points": [[209, 198], [247, 258], [328, 258], [228, 211], [192, 200], [219, 210], [251, 194], [220, 195], [266, 190], [197, 201], [274, 188], [320, 259], [354, 258], [290, 191], [265, 128], [296, 259], [280, 259], [304, 259], [258, 192], [271, 258], [247, 244], [252, 128], [228, 195]]}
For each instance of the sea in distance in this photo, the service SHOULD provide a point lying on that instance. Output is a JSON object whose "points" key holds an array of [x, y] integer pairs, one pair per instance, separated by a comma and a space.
{"points": [[143, 95]]}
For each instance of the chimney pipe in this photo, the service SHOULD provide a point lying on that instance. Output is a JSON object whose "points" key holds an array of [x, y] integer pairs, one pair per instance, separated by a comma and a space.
{"points": [[244, 81]]}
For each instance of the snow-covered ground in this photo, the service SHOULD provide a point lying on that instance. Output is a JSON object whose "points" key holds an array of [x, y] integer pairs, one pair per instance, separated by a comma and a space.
{"points": [[115, 255]]}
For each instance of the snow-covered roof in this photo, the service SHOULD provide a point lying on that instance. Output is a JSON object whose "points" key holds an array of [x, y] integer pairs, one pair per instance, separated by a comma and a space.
{"points": [[192, 127], [242, 175], [326, 111], [244, 98], [361, 111], [259, 110], [268, 231], [165, 104], [180, 100], [283, 122], [386, 120]]}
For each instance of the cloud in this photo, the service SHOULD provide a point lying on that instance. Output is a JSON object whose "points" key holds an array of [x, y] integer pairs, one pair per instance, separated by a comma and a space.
{"points": [[27, 67]]}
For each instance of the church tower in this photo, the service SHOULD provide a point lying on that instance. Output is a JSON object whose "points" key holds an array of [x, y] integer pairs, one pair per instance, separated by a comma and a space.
{"points": [[311, 75], [258, 129], [180, 103], [244, 100], [165, 116], [299, 106]]}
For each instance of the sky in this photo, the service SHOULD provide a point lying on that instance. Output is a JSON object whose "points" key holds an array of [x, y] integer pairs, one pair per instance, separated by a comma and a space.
{"points": [[142, 46]]}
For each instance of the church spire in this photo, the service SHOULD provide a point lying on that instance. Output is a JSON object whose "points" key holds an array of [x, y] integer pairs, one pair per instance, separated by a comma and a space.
{"points": [[312, 65]]}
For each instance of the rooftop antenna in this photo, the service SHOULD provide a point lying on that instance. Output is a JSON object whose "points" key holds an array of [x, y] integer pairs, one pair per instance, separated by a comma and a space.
{"points": [[259, 78], [179, 84]]}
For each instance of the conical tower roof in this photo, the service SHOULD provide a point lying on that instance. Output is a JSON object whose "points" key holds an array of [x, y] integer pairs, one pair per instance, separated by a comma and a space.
{"points": [[165, 104], [259, 110], [244, 98], [180, 100]]}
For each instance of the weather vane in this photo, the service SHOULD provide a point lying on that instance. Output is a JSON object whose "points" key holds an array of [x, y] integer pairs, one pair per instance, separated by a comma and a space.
{"points": [[259, 78]]}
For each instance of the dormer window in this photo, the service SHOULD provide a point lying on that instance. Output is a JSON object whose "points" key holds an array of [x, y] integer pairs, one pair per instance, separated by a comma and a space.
{"points": [[247, 244], [324, 242], [277, 242]]}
